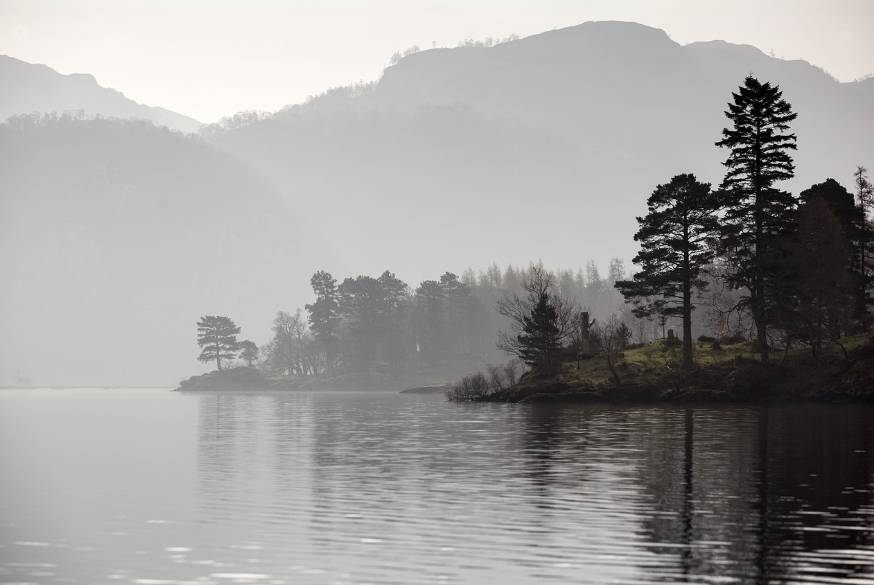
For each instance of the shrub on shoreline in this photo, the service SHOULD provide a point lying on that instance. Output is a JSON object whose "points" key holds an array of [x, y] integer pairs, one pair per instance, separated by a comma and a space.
{"points": [[478, 386]]}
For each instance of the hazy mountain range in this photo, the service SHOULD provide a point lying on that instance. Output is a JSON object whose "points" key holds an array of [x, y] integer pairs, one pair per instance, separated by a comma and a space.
{"points": [[544, 147], [31, 88]]}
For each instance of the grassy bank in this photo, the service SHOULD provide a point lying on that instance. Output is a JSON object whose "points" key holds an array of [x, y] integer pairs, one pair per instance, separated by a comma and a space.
{"points": [[727, 373]]}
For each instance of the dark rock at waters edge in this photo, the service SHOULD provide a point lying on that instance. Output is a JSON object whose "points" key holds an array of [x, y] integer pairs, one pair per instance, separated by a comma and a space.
{"points": [[242, 378]]}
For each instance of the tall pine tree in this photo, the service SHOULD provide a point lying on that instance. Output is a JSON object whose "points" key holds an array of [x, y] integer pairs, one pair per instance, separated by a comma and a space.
{"points": [[217, 336], [324, 315], [676, 242], [824, 285], [755, 211], [865, 197], [852, 227]]}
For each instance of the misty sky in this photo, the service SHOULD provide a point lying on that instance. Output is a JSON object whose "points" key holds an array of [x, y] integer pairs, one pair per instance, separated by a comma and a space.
{"points": [[211, 58]]}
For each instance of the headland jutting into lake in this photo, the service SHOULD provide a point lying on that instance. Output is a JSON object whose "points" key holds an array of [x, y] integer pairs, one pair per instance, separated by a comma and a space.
{"points": [[783, 284]]}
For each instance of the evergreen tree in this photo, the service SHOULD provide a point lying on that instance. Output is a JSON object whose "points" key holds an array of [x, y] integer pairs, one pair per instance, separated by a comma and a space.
{"points": [[393, 315], [218, 337], [457, 296], [248, 351], [539, 322], [361, 308], [851, 225], [324, 315], [755, 212], [430, 319], [676, 242], [540, 338], [821, 277], [865, 198]]}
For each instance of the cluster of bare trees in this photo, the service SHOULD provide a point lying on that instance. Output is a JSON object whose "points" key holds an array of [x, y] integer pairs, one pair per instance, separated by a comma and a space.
{"points": [[292, 351]]}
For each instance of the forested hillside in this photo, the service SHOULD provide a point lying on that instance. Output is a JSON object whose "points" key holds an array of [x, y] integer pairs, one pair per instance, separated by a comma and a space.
{"points": [[122, 232]]}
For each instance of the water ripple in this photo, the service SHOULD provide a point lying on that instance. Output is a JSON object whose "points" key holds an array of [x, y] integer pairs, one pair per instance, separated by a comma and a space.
{"points": [[381, 488]]}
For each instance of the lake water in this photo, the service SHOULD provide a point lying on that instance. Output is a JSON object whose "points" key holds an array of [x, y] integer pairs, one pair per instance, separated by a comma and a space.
{"points": [[153, 487]]}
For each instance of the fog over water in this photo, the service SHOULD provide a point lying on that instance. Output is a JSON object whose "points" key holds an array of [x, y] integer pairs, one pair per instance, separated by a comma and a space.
{"points": [[437, 292]]}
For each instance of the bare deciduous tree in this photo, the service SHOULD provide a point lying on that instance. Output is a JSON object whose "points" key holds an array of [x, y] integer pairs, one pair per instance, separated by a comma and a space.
{"points": [[518, 309], [613, 336]]}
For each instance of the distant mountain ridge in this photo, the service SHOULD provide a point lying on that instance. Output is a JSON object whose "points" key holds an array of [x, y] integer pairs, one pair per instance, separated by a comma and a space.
{"points": [[29, 88], [570, 128], [541, 148]]}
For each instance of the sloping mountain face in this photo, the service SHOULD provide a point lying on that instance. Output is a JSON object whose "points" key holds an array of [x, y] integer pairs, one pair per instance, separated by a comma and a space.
{"points": [[116, 236], [29, 88], [865, 88], [545, 147]]}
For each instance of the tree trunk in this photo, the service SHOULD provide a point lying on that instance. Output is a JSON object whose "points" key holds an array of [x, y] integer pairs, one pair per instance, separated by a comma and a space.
{"points": [[758, 275], [612, 367], [688, 359], [761, 327], [687, 306]]}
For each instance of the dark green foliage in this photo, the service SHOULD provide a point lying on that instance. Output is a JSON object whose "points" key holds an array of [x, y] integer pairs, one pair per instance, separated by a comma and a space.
{"points": [[248, 351], [377, 325], [540, 338], [361, 301], [821, 280], [324, 315], [446, 315], [217, 336], [430, 319], [676, 239], [372, 312], [865, 197], [852, 228], [394, 338], [539, 322], [458, 310], [755, 212]]}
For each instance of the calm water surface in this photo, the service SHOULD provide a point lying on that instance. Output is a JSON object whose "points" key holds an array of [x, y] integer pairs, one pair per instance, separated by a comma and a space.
{"points": [[154, 487]]}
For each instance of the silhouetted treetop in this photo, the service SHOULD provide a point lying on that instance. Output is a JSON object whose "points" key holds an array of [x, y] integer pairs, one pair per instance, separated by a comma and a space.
{"points": [[217, 335]]}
